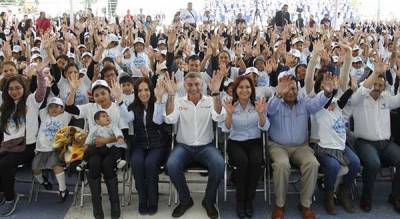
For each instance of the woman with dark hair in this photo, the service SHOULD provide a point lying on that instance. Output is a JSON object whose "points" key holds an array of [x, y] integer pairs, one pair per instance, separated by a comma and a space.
{"points": [[245, 118], [105, 163], [151, 138], [19, 111]]}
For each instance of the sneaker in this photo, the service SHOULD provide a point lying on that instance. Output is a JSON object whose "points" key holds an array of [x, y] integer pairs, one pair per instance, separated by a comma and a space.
{"points": [[121, 163], [46, 184], [63, 195], [182, 208], [9, 207], [81, 166]]}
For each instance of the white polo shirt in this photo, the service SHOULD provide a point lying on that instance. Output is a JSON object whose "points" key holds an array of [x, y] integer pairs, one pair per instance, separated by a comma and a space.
{"points": [[372, 117], [194, 122]]}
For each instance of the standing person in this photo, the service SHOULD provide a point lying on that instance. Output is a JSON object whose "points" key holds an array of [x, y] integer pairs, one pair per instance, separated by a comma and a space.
{"points": [[193, 115], [289, 115], [19, 112], [104, 163], [372, 129], [149, 149], [42, 24], [299, 21], [282, 17], [245, 118], [189, 16]]}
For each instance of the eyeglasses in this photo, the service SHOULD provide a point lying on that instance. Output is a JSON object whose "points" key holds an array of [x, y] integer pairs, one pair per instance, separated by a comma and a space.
{"points": [[15, 88]]}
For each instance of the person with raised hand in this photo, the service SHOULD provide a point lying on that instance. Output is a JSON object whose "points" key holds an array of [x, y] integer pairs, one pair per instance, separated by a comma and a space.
{"points": [[289, 115], [245, 119], [193, 115]]}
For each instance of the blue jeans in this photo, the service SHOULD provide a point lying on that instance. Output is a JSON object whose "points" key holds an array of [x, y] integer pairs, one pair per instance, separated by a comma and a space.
{"points": [[145, 168], [371, 154], [331, 167], [208, 156]]}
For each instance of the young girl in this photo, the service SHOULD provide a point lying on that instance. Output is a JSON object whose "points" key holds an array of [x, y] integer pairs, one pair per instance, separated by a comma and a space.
{"points": [[52, 118], [19, 112]]}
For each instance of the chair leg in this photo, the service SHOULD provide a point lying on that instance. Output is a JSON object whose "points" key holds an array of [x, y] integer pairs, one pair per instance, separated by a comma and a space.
{"points": [[130, 189], [37, 186], [123, 199], [32, 190], [225, 183], [82, 190], [170, 193], [76, 187], [265, 185], [175, 196]]}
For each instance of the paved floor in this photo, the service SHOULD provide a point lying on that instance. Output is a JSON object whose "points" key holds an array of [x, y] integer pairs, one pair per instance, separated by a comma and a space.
{"points": [[47, 206]]}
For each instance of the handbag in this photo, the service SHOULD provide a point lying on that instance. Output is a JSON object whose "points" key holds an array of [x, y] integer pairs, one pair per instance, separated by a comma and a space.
{"points": [[13, 145]]}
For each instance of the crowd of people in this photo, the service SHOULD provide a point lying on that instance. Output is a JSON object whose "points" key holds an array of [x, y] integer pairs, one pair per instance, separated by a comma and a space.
{"points": [[323, 96]]}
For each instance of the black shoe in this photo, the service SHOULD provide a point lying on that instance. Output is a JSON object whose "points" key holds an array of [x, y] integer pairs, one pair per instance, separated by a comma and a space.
{"points": [[152, 210], [46, 184], [240, 209], [143, 210], [249, 208], [182, 208], [63, 195], [8, 208], [212, 212], [395, 202], [365, 203], [2, 199]]}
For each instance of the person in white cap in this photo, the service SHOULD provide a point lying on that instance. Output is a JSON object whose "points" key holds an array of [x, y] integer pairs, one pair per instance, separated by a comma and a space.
{"points": [[357, 69], [16, 52], [140, 59], [52, 118], [36, 58], [113, 48], [261, 91], [126, 63], [105, 163], [298, 44]]}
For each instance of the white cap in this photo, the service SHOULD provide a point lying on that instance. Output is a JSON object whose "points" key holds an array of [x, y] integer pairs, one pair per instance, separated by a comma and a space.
{"points": [[98, 83], [250, 70], [112, 38], [357, 59], [37, 39], [125, 49], [163, 52], [35, 49], [86, 54], [356, 48], [297, 40], [34, 56], [87, 34], [163, 66], [295, 53], [284, 73], [17, 48], [335, 58], [55, 100], [161, 42], [138, 40], [1, 53], [71, 55], [83, 71], [81, 46], [334, 45]]}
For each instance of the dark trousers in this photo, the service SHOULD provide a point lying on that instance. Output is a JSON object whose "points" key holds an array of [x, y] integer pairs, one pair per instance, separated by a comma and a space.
{"points": [[247, 157], [101, 160], [116, 152], [145, 168], [9, 162], [207, 155], [371, 154]]}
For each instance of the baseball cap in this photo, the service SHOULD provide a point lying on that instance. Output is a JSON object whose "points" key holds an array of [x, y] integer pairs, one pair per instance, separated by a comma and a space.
{"points": [[138, 40], [55, 100], [100, 83], [251, 70]]}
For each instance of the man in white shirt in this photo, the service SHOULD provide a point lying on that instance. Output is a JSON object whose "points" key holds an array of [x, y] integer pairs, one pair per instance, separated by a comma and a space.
{"points": [[193, 115], [372, 128], [189, 16]]}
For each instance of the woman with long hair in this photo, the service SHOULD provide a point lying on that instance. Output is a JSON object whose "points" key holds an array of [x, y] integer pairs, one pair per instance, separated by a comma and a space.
{"points": [[245, 118], [151, 138], [19, 111]]}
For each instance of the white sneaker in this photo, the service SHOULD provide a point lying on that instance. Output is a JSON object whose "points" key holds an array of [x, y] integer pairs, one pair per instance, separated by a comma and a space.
{"points": [[121, 163]]}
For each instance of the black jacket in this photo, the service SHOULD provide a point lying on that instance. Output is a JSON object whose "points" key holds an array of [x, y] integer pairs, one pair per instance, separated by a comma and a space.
{"points": [[282, 18]]}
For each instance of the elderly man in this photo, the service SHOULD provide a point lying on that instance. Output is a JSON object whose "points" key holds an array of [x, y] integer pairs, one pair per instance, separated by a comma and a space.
{"points": [[289, 115], [193, 115]]}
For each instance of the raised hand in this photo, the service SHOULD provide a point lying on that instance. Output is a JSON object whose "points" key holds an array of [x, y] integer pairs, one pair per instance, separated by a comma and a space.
{"points": [[171, 37], [379, 66], [116, 91], [160, 90], [170, 84], [215, 82], [354, 83], [214, 42], [261, 105], [74, 82], [229, 106], [318, 46]]}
